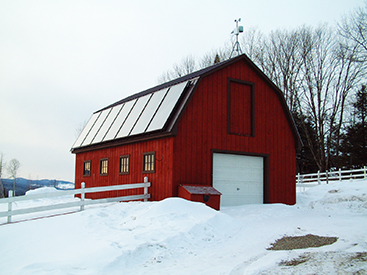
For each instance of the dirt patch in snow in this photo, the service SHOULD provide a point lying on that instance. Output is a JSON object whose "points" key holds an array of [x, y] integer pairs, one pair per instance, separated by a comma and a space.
{"points": [[293, 262], [340, 263], [300, 242]]}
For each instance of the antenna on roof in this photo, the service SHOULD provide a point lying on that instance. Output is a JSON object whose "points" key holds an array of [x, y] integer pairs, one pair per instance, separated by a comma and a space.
{"points": [[236, 32]]}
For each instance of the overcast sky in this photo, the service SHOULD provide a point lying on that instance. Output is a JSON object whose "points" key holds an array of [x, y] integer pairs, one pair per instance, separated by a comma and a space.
{"points": [[62, 60]]}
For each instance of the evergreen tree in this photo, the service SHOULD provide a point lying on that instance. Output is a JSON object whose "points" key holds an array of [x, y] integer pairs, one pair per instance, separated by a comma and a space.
{"points": [[217, 59], [305, 160], [354, 142]]}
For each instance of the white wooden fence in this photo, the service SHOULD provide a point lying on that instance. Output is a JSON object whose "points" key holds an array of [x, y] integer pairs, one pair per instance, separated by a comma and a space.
{"points": [[80, 203], [309, 180]]}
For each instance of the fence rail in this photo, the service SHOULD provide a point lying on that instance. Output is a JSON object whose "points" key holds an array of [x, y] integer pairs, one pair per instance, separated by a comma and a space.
{"points": [[309, 180], [81, 203]]}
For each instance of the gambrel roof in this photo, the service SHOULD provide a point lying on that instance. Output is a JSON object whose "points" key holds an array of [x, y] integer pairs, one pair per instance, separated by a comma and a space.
{"points": [[153, 113]]}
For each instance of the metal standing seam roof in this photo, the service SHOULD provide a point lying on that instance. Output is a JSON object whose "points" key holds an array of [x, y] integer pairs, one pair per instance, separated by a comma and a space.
{"points": [[150, 110]]}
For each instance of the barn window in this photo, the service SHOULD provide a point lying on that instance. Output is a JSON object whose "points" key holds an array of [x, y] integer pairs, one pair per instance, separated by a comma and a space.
{"points": [[104, 167], [240, 108], [86, 168], [149, 162], [125, 164]]}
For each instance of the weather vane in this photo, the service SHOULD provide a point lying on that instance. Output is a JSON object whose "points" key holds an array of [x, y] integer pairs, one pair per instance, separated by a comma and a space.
{"points": [[236, 32]]}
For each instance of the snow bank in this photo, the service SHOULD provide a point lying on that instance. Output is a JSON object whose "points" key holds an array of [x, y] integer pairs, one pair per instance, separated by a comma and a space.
{"points": [[340, 196], [42, 190], [175, 236]]}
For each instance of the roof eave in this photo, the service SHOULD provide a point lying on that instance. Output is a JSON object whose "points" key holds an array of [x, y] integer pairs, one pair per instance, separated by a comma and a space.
{"points": [[123, 141]]}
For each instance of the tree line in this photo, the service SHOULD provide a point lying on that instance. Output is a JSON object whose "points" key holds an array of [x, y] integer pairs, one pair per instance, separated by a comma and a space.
{"points": [[321, 72], [12, 168]]}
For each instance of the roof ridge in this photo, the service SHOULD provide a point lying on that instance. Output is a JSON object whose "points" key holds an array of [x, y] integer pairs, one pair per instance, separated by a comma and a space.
{"points": [[172, 82]]}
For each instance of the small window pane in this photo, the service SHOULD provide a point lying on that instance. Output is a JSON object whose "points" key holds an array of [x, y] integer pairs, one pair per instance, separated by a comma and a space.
{"points": [[124, 164], [104, 167], [149, 162], [86, 168]]}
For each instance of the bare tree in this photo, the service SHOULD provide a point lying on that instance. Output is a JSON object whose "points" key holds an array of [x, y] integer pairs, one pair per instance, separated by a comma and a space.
{"points": [[283, 63], [350, 73], [354, 28], [80, 128], [214, 56], [189, 64], [12, 169], [278, 56], [253, 45], [164, 77], [316, 70], [186, 66], [329, 73], [2, 165]]}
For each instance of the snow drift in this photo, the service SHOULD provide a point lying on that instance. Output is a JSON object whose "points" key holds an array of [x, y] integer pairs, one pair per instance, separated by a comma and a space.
{"points": [[175, 236]]}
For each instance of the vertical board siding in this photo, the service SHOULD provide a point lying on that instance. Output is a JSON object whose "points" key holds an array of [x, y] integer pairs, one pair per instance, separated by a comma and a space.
{"points": [[187, 157], [240, 109], [204, 126], [161, 180]]}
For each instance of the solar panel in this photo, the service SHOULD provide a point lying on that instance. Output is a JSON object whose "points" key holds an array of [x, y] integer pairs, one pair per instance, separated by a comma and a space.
{"points": [[86, 130], [166, 107], [94, 130], [149, 111], [120, 119], [133, 116], [107, 124]]}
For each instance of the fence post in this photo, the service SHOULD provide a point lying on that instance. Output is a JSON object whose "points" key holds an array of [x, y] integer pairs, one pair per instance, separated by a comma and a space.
{"points": [[10, 195], [145, 188], [82, 195], [364, 171], [340, 174], [318, 177], [327, 176]]}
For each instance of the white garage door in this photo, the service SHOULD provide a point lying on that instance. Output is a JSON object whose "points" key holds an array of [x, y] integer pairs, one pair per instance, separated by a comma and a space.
{"points": [[239, 178]]}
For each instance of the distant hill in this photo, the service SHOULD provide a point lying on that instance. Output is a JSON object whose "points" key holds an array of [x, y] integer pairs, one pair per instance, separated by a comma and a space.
{"points": [[23, 185]]}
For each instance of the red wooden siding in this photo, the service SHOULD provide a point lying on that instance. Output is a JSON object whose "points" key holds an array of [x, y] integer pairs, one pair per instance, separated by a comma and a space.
{"points": [[240, 119], [204, 127], [257, 124], [161, 180], [210, 197]]}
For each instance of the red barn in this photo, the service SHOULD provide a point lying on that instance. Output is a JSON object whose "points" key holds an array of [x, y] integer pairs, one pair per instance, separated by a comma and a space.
{"points": [[225, 126]]}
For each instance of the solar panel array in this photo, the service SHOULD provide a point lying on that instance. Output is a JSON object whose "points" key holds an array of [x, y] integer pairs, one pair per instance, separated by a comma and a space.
{"points": [[140, 115]]}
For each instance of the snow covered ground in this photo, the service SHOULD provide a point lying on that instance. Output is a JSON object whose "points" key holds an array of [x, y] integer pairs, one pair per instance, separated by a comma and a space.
{"points": [[175, 236]]}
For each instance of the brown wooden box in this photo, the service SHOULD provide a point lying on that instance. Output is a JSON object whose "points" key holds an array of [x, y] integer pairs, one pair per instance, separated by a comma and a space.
{"points": [[205, 194]]}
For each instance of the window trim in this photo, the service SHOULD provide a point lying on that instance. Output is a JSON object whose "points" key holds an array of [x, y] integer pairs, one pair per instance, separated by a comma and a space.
{"points": [[100, 167], [153, 162], [90, 168], [128, 165], [252, 111]]}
